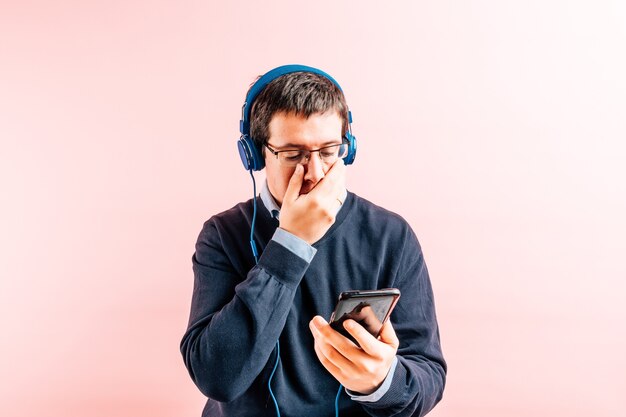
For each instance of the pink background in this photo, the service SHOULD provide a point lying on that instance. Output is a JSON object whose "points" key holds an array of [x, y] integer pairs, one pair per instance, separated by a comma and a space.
{"points": [[495, 127]]}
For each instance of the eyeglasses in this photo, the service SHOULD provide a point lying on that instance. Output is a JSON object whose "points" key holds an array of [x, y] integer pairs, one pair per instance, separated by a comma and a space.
{"points": [[328, 154]]}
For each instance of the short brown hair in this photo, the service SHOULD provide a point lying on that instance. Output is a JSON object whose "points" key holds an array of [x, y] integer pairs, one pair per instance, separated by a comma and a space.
{"points": [[299, 93]]}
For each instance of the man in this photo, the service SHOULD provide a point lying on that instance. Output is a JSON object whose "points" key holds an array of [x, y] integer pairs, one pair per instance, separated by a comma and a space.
{"points": [[258, 343]]}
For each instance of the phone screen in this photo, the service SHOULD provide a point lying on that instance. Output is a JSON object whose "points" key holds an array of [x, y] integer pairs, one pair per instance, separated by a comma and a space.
{"points": [[369, 308]]}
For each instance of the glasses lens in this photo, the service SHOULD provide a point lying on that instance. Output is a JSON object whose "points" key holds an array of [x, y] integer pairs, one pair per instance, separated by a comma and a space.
{"points": [[291, 158], [330, 154]]}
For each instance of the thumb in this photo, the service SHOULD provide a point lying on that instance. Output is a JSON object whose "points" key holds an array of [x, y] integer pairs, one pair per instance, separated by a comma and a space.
{"points": [[388, 335], [295, 183]]}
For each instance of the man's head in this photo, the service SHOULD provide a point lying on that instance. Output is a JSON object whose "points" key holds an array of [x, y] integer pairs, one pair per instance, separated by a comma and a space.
{"points": [[298, 93], [298, 111]]}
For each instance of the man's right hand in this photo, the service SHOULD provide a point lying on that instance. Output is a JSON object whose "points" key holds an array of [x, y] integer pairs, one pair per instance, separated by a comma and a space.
{"points": [[309, 216]]}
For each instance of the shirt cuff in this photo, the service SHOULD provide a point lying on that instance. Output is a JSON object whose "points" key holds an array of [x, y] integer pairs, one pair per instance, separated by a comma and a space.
{"points": [[382, 390], [296, 245]]}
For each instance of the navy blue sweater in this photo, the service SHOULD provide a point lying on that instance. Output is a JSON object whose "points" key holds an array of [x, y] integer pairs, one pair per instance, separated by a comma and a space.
{"points": [[240, 309]]}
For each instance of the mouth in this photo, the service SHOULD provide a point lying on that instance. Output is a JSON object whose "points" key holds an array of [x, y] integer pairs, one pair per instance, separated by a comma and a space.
{"points": [[306, 188]]}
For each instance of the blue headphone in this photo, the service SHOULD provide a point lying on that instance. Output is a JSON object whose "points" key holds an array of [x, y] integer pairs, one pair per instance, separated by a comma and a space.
{"points": [[250, 153]]}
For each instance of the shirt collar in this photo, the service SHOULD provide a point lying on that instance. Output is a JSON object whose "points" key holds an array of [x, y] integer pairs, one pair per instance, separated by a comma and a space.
{"points": [[268, 201], [274, 209]]}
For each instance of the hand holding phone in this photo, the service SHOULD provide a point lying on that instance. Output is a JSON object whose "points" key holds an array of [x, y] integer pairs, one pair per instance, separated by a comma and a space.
{"points": [[370, 308]]}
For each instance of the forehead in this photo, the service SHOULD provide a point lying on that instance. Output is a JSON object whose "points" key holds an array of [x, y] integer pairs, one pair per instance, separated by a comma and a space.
{"points": [[319, 129]]}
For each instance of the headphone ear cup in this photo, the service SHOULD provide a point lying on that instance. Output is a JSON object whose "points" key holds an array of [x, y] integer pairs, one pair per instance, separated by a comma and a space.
{"points": [[349, 158], [250, 155]]}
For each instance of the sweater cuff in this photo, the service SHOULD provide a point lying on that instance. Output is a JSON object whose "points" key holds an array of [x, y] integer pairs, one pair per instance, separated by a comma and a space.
{"points": [[382, 390], [283, 264]]}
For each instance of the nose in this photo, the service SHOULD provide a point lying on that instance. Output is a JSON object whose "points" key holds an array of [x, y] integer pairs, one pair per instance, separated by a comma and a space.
{"points": [[314, 168]]}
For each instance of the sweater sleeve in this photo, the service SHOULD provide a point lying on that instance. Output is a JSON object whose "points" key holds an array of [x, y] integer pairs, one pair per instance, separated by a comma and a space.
{"points": [[419, 378], [236, 320]]}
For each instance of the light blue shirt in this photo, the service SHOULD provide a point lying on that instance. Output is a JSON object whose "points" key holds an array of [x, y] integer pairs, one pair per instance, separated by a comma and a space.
{"points": [[307, 252]]}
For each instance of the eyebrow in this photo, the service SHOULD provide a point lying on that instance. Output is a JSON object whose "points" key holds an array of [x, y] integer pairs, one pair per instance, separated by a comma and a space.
{"points": [[293, 145]]}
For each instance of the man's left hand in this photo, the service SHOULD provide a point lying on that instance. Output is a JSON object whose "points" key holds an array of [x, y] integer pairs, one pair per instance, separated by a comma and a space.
{"points": [[359, 369]]}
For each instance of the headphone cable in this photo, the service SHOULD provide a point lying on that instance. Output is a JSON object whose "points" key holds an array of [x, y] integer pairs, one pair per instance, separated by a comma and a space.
{"points": [[252, 243], [256, 261], [269, 381], [337, 400]]}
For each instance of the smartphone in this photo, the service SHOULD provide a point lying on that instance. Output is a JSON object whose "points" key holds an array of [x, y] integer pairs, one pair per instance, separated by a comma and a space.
{"points": [[369, 308]]}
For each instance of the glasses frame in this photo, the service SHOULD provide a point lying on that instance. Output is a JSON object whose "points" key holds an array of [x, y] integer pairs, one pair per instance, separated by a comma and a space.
{"points": [[308, 153]]}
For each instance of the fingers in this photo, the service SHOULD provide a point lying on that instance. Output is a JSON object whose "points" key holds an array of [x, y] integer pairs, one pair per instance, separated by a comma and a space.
{"points": [[367, 318], [329, 346], [295, 183], [321, 329], [337, 169], [388, 335], [337, 175], [368, 343], [334, 182], [331, 358], [338, 371], [358, 369]]}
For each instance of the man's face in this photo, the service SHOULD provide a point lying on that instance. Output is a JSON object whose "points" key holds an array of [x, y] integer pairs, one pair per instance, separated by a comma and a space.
{"points": [[288, 131]]}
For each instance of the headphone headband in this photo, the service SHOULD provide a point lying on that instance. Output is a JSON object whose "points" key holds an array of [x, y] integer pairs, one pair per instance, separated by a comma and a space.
{"points": [[255, 90]]}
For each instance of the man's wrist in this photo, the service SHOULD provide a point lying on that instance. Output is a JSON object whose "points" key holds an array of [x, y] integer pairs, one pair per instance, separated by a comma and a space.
{"points": [[296, 245], [380, 391]]}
